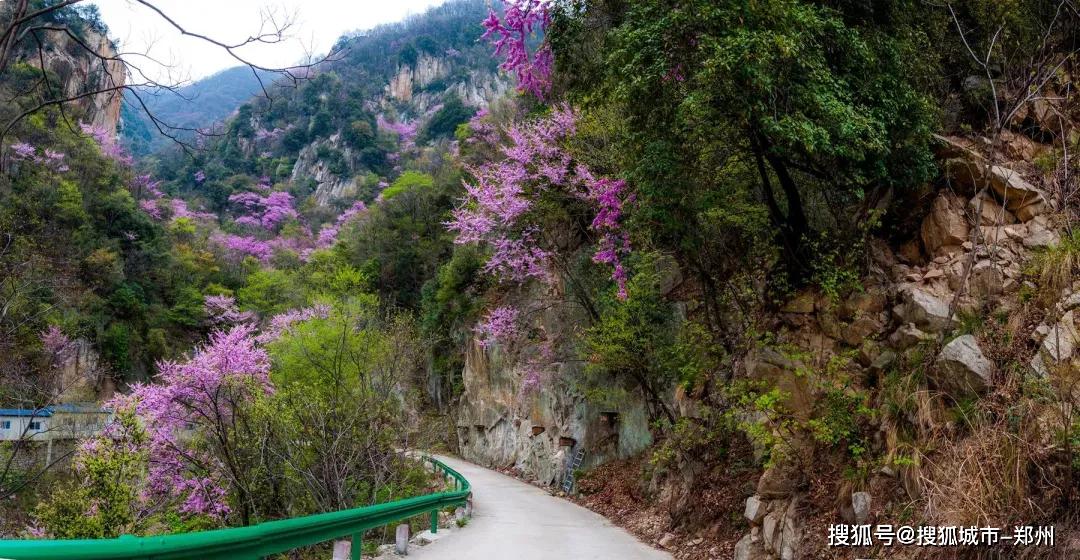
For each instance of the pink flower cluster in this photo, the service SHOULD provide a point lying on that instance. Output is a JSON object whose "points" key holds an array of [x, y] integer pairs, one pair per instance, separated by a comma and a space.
{"points": [[483, 131], [500, 326], [329, 233], [106, 141], [510, 37], [197, 394], [496, 209], [155, 199], [244, 245], [282, 323], [267, 211], [222, 311], [405, 130], [57, 346], [50, 159]]}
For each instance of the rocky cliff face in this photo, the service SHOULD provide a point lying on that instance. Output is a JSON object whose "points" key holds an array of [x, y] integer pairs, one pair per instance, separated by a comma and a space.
{"points": [[328, 185], [79, 73], [535, 432], [411, 84], [412, 93], [504, 421]]}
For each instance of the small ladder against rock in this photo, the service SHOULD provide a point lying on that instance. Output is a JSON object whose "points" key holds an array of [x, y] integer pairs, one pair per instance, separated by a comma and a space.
{"points": [[575, 463]]}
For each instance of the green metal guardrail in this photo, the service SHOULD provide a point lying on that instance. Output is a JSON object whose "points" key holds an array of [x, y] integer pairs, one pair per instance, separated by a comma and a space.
{"points": [[255, 541]]}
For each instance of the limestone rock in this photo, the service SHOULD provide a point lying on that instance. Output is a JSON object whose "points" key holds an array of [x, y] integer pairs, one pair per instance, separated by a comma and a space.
{"points": [[779, 480], [747, 549], [1058, 344], [860, 505], [987, 280], [860, 329], [925, 310], [755, 510], [1011, 188], [906, 336], [962, 368], [945, 225], [1040, 234], [990, 213]]}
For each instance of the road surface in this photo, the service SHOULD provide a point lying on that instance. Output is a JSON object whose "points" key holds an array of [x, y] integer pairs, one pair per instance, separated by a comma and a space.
{"points": [[517, 521]]}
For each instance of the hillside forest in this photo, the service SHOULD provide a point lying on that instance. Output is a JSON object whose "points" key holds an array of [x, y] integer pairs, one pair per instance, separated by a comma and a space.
{"points": [[770, 266]]}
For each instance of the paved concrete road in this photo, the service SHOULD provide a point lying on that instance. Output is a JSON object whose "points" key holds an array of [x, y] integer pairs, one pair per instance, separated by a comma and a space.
{"points": [[517, 521]]}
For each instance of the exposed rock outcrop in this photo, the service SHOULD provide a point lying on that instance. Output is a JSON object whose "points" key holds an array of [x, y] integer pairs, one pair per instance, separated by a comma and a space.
{"points": [[79, 72], [962, 368]]}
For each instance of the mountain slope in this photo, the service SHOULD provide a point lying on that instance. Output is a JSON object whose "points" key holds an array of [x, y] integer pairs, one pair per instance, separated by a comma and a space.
{"points": [[196, 106]]}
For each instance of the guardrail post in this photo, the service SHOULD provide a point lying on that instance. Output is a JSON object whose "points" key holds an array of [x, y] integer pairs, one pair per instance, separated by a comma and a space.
{"points": [[357, 545], [434, 521]]}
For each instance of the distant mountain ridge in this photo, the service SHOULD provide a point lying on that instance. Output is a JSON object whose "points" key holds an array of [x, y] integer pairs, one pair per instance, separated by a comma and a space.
{"points": [[198, 105]]}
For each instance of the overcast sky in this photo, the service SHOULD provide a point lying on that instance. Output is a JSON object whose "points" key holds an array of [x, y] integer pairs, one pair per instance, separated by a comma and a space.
{"points": [[318, 23]]}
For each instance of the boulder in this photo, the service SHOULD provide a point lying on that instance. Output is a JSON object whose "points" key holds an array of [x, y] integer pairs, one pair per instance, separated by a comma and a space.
{"points": [[780, 480], [990, 213], [882, 362], [1058, 344], [962, 368], [860, 329], [945, 225], [987, 280], [924, 310], [755, 510], [747, 549], [860, 505], [1040, 234], [906, 336], [1013, 190]]}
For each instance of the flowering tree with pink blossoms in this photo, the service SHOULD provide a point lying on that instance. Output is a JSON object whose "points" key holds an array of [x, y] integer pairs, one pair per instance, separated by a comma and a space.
{"points": [[223, 311], [507, 209], [266, 212], [193, 414], [500, 209], [510, 35]]}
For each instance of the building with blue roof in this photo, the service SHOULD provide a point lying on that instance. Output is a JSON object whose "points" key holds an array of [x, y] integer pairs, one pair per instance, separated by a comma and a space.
{"points": [[56, 422]]}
